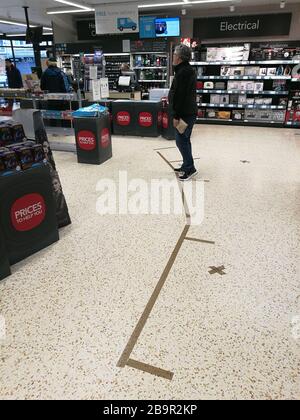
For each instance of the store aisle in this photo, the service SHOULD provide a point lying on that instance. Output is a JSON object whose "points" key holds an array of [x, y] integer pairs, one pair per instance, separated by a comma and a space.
{"points": [[71, 309]]}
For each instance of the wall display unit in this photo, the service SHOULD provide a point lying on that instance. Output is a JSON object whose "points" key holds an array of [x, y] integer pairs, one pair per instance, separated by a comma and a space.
{"points": [[245, 84]]}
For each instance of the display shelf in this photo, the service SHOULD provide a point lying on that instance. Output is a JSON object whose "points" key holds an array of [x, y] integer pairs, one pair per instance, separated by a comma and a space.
{"points": [[240, 122], [245, 92], [205, 105], [150, 52], [244, 63], [150, 68], [152, 81], [245, 78]]}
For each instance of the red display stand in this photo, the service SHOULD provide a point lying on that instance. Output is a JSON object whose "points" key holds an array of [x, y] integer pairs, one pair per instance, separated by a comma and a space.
{"points": [[27, 213], [124, 118], [93, 139], [148, 118], [137, 118]]}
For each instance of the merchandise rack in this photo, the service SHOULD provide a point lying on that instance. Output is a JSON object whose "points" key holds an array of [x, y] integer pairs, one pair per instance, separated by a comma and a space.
{"points": [[113, 65], [160, 69], [212, 72]]}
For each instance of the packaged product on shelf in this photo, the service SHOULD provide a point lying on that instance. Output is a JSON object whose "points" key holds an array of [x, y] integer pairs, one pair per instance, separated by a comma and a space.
{"points": [[210, 113], [279, 116], [263, 71], [225, 71], [237, 115], [242, 99], [267, 101], [220, 85], [250, 101], [215, 99], [224, 99], [234, 99], [252, 114], [17, 130], [199, 99], [249, 86], [5, 135], [252, 71], [37, 153], [201, 113], [209, 85], [10, 161], [258, 86], [24, 157], [237, 71], [259, 101], [272, 71], [279, 85], [265, 115], [234, 85], [224, 115]]}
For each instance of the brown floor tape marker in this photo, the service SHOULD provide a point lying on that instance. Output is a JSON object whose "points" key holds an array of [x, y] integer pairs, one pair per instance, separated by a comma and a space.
{"points": [[166, 160], [150, 369], [165, 148], [200, 240], [125, 359], [145, 315]]}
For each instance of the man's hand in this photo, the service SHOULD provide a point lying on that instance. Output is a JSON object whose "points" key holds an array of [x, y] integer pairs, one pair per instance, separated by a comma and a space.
{"points": [[175, 123]]}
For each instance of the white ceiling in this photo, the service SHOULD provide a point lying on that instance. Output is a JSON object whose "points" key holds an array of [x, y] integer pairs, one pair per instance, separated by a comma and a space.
{"points": [[38, 8]]}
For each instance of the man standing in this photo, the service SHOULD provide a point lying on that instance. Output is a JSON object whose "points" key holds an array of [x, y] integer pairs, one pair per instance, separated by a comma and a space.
{"points": [[14, 78], [183, 102], [54, 79]]}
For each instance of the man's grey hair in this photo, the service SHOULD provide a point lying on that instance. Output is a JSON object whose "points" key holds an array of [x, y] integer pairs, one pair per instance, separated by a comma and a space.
{"points": [[183, 52]]}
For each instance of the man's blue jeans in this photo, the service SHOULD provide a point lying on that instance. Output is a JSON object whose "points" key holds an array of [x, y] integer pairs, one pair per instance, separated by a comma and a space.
{"points": [[183, 142]]}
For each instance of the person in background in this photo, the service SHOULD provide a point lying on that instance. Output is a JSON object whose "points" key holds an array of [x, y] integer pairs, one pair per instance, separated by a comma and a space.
{"points": [[183, 103], [54, 80], [14, 78]]}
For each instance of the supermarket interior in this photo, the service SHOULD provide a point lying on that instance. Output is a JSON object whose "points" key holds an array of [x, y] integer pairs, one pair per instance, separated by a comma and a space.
{"points": [[111, 288]]}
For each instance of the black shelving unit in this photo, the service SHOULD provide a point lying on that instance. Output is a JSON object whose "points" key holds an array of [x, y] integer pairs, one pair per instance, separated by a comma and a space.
{"points": [[152, 70], [259, 98], [113, 66]]}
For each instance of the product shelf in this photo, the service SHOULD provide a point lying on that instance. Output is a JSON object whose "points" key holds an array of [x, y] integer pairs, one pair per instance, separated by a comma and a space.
{"points": [[245, 92], [244, 63], [240, 106], [245, 78], [240, 122]]}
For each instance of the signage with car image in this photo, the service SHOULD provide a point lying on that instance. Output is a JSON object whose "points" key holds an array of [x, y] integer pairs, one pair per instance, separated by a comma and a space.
{"points": [[117, 18]]}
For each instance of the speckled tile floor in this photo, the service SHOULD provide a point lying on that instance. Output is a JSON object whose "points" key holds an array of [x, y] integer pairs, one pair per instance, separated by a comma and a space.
{"points": [[71, 309]]}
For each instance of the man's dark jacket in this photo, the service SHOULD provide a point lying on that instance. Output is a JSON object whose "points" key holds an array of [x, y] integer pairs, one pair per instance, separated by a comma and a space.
{"points": [[53, 80], [14, 78], [182, 96]]}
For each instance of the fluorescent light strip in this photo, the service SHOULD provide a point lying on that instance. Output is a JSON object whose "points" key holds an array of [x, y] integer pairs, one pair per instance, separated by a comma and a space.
{"points": [[84, 9], [182, 3], [61, 12], [13, 35], [70, 3], [10, 22]]}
